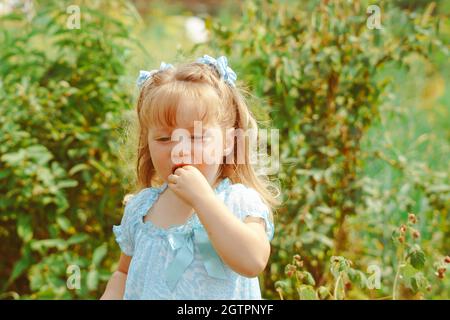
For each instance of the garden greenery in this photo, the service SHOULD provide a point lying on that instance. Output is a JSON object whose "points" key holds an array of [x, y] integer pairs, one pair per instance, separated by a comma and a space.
{"points": [[315, 67]]}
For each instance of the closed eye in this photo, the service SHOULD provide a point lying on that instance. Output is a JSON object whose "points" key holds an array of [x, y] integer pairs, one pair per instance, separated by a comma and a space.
{"points": [[201, 138], [163, 139]]}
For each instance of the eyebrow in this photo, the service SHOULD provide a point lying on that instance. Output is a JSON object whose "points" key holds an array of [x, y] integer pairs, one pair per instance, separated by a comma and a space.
{"points": [[168, 130], [161, 130]]}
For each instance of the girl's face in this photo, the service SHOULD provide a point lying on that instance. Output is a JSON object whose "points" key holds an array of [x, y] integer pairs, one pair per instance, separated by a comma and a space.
{"points": [[196, 144]]}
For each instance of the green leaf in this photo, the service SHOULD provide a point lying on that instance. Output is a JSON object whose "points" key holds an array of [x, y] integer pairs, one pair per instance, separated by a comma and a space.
{"points": [[77, 168], [64, 223], [19, 267], [283, 284], [14, 158], [323, 292], [25, 228], [418, 282], [99, 254], [78, 238], [325, 240], [408, 271], [413, 278], [417, 257], [306, 292], [357, 277], [309, 278], [92, 280], [60, 244], [67, 184], [40, 154], [100, 167], [339, 264]]}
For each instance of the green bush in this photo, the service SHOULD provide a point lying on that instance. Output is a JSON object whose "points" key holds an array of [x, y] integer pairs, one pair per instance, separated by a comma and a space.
{"points": [[319, 66], [61, 100], [323, 79]]}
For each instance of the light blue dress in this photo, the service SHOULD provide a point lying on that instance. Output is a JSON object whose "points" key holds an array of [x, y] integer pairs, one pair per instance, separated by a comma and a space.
{"points": [[180, 262]]}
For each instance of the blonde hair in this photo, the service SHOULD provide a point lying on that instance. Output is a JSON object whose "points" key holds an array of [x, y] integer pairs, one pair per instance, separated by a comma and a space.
{"points": [[159, 104]]}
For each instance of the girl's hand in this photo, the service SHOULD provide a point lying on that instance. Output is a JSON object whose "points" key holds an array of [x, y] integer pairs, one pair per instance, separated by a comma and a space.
{"points": [[190, 185]]}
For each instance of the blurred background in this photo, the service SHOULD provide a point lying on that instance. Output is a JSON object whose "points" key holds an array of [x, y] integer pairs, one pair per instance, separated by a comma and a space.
{"points": [[360, 96]]}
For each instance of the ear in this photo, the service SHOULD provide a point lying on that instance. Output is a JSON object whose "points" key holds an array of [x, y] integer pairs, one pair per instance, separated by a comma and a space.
{"points": [[229, 141]]}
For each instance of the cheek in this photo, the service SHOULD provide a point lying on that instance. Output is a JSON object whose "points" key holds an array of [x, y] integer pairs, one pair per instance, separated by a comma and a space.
{"points": [[153, 150], [158, 153], [214, 150]]}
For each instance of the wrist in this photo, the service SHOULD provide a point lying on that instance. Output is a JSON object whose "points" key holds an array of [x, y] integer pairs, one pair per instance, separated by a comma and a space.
{"points": [[203, 201]]}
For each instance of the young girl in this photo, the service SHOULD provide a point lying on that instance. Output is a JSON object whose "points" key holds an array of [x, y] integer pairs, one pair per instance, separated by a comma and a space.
{"points": [[204, 232]]}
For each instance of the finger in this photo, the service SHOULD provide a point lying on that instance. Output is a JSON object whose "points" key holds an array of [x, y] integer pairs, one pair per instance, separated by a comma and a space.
{"points": [[171, 185], [172, 179], [177, 171]]}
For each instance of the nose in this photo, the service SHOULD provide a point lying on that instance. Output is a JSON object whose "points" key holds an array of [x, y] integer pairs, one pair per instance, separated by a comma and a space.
{"points": [[181, 153]]}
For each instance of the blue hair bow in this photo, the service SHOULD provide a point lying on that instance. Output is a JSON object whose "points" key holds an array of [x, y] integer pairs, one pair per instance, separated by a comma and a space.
{"points": [[221, 65], [144, 75]]}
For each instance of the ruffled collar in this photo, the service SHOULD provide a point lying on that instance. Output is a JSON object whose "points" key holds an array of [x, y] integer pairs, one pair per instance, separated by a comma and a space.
{"points": [[192, 221], [222, 185]]}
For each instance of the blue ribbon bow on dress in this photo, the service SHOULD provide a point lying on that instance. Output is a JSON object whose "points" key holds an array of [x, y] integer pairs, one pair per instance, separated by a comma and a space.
{"points": [[182, 243]]}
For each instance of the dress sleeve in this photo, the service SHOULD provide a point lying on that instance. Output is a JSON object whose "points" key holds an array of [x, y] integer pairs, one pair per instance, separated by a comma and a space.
{"points": [[248, 202], [125, 232]]}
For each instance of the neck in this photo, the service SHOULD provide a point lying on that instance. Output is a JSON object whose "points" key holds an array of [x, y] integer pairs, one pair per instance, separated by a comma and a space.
{"points": [[217, 179], [176, 200]]}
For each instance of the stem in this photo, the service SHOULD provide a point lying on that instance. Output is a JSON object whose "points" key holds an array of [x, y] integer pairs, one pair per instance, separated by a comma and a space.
{"points": [[397, 275], [336, 286], [298, 280], [394, 290], [280, 292], [384, 298]]}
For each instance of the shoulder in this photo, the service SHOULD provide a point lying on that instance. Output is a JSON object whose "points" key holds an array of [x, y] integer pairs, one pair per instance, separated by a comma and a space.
{"points": [[241, 197], [135, 202], [245, 201], [239, 191]]}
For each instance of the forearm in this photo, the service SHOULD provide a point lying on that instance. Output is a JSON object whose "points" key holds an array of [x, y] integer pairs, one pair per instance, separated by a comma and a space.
{"points": [[238, 245], [115, 287]]}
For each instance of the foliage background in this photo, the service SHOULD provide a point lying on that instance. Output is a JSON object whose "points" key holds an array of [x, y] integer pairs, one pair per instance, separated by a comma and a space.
{"points": [[363, 116]]}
